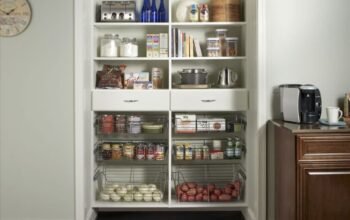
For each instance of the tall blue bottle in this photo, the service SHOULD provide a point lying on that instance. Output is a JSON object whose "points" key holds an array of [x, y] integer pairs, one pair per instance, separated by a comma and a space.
{"points": [[146, 12], [154, 13], [162, 15]]}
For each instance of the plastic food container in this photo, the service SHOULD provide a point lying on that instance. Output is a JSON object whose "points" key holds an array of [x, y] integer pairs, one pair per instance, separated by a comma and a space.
{"points": [[213, 52], [231, 46], [150, 128], [194, 76], [213, 42]]}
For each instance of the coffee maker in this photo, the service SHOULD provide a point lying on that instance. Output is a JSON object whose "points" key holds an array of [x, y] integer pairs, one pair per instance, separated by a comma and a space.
{"points": [[300, 103]]}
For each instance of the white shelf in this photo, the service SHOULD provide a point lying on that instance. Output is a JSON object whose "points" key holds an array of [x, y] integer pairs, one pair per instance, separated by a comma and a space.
{"points": [[176, 204], [99, 204], [129, 58], [101, 25], [208, 58], [206, 24]]}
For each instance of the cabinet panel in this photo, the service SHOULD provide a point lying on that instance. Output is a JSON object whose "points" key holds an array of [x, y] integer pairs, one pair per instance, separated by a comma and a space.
{"points": [[209, 100], [130, 100], [324, 192], [327, 147]]}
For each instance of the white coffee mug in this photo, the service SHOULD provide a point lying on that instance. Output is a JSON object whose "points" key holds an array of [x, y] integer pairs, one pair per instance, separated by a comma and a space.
{"points": [[334, 114]]}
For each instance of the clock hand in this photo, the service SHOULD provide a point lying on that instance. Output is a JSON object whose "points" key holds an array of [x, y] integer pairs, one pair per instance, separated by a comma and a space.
{"points": [[8, 13]]}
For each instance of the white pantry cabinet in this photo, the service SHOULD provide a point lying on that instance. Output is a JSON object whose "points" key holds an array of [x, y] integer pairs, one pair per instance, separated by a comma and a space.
{"points": [[96, 171]]}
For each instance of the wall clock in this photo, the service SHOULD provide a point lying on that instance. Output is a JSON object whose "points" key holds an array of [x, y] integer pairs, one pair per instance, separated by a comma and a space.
{"points": [[15, 16]]}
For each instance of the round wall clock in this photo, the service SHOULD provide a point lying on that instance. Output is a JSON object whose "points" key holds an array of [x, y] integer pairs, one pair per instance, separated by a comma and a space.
{"points": [[15, 17]]}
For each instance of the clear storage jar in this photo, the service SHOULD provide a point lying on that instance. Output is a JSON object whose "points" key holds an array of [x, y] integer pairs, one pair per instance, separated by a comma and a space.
{"points": [[109, 45], [213, 42], [222, 34], [129, 48], [231, 46], [134, 124], [213, 52]]}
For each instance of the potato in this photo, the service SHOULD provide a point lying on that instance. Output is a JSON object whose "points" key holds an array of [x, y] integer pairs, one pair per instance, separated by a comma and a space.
{"points": [[234, 194], [217, 192], [205, 198], [228, 190], [237, 184], [192, 185], [184, 187], [213, 198], [184, 197], [191, 198], [199, 197], [205, 192], [192, 192], [179, 194], [211, 187], [225, 197], [200, 189]]}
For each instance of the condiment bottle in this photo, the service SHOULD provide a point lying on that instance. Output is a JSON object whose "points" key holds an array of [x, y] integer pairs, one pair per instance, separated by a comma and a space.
{"points": [[162, 15], [230, 150], [146, 11], [238, 148], [154, 13]]}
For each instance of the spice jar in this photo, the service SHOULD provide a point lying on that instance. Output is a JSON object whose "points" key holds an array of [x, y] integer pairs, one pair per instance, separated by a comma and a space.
{"points": [[231, 46], [120, 123], [116, 152], [106, 151], [221, 34], [157, 78], [140, 152], [134, 124], [129, 48], [109, 45], [107, 124], [128, 151]]}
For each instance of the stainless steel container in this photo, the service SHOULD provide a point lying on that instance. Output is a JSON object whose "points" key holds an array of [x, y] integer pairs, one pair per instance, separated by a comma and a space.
{"points": [[194, 76]]}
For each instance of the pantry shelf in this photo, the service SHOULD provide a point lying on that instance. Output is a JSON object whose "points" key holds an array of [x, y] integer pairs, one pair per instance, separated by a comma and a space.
{"points": [[176, 204], [206, 162], [206, 24], [208, 58], [122, 205], [130, 58], [134, 162], [128, 24]]}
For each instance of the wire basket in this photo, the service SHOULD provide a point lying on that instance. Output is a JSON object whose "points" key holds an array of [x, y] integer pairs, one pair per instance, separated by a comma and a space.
{"points": [[209, 183], [132, 184]]}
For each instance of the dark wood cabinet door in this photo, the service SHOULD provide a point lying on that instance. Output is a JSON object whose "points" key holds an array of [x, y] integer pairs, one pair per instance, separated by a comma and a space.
{"points": [[324, 191]]}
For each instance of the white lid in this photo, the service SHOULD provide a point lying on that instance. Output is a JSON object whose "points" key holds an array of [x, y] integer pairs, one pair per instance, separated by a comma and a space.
{"points": [[216, 144], [221, 30], [213, 48], [213, 38], [231, 38]]}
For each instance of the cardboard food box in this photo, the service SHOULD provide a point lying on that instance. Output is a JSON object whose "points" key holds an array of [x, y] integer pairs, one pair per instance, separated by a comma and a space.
{"points": [[130, 78], [185, 123], [211, 124]]}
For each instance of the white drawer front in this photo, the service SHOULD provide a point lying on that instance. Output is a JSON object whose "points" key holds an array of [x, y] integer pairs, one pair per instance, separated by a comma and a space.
{"points": [[130, 100], [209, 100]]}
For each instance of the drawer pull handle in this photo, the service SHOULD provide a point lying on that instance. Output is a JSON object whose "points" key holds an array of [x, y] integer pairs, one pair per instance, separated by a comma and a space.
{"points": [[131, 101], [208, 100]]}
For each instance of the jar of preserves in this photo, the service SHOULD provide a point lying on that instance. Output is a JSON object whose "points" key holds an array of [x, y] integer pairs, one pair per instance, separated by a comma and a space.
{"points": [[197, 153], [120, 123], [150, 152], [231, 46], [107, 124], [106, 151], [159, 153], [134, 124], [140, 152], [116, 152], [128, 151]]}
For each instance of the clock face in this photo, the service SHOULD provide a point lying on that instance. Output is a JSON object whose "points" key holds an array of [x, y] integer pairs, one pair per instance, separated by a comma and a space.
{"points": [[15, 16]]}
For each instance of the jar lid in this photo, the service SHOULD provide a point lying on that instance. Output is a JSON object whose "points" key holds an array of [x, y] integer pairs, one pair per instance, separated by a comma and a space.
{"points": [[106, 146], [216, 144], [213, 48], [116, 147], [231, 38], [134, 118]]}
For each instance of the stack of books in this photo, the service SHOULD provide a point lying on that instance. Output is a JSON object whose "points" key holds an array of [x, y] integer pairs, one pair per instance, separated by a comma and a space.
{"points": [[185, 45]]}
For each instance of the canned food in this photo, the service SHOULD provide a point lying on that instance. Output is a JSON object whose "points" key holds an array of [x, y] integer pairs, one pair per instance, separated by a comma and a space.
{"points": [[159, 152], [140, 152], [128, 151], [150, 153]]}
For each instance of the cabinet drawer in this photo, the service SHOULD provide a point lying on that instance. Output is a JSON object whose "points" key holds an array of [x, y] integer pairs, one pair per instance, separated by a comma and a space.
{"points": [[130, 100], [209, 100], [327, 147]]}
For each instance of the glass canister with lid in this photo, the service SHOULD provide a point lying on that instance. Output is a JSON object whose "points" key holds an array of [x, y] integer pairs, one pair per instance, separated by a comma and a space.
{"points": [[134, 124], [129, 48], [231, 45], [109, 45], [222, 34]]}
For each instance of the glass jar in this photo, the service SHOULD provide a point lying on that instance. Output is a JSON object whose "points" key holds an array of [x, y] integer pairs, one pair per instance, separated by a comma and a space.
{"points": [[116, 152], [230, 151], [120, 123], [194, 13], [106, 151], [180, 152], [129, 48], [205, 152], [157, 78], [109, 45], [217, 145], [134, 124], [159, 153], [150, 153], [231, 46], [213, 42], [128, 151], [197, 153], [213, 51], [203, 12], [107, 124], [140, 152], [222, 34]]}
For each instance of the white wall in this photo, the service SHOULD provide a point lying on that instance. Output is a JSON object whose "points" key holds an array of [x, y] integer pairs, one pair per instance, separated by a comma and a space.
{"points": [[36, 116], [308, 42]]}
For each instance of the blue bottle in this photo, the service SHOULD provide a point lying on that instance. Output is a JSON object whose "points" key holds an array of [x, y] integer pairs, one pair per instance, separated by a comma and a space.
{"points": [[162, 15], [146, 12], [154, 13]]}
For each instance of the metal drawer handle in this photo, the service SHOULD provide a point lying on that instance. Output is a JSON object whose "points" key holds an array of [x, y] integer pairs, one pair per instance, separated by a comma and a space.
{"points": [[208, 100], [131, 101]]}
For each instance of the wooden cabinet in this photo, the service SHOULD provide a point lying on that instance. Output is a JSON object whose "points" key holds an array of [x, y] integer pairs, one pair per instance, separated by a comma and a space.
{"points": [[308, 172]]}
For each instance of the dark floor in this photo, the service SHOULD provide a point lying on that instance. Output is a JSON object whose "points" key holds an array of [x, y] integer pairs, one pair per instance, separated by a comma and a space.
{"points": [[166, 215]]}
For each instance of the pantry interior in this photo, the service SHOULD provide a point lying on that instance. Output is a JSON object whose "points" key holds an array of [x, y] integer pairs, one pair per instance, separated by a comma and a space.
{"points": [[164, 110]]}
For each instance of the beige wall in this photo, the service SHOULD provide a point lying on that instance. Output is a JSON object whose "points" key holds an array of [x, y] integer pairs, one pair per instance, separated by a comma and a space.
{"points": [[308, 42], [36, 116]]}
